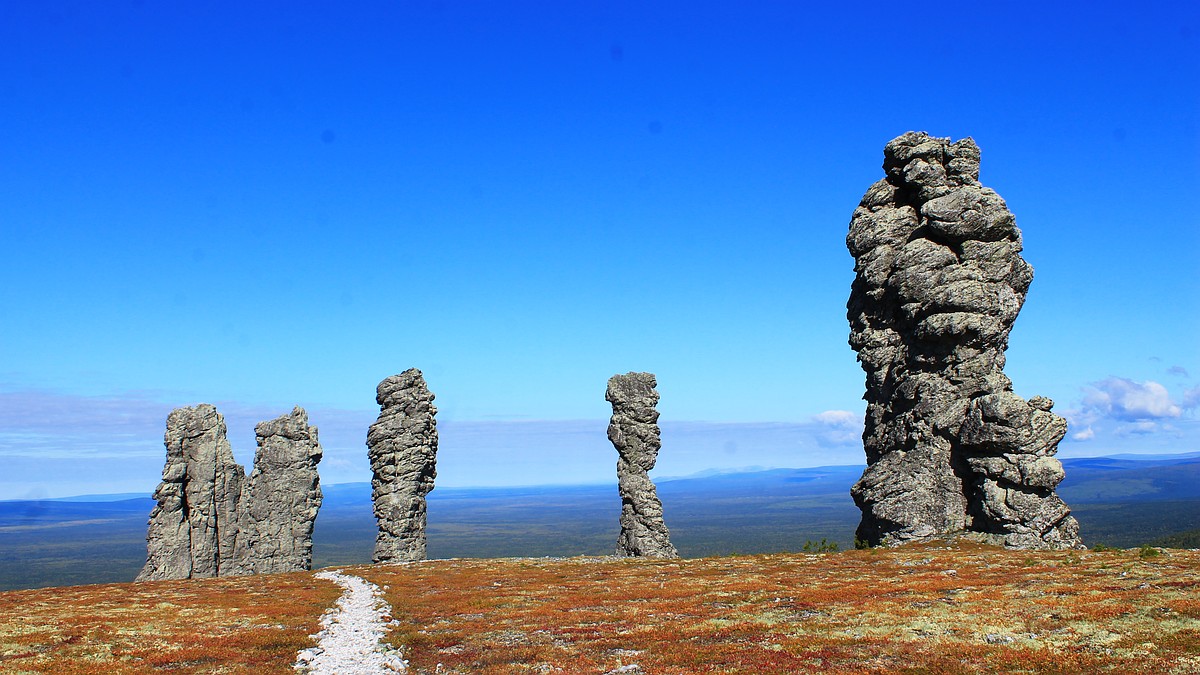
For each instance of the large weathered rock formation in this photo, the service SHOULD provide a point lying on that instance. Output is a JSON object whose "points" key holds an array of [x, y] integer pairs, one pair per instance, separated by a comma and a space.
{"points": [[950, 448], [402, 446], [634, 431], [211, 521], [193, 528], [281, 497]]}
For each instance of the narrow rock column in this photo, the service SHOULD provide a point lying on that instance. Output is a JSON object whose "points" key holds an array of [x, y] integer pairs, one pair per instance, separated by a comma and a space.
{"points": [[281, 498], [402, 446], [939, 282], [193, 528], [634, 432]]}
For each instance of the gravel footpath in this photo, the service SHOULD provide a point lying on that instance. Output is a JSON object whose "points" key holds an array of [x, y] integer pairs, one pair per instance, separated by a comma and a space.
{"points": [[349, 641]]}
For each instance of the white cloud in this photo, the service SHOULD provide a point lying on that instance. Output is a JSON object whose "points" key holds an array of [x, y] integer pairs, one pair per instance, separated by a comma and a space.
{"points": [[1191, 398], [44, 424], [1126, 400], [1085, 435], [1141, 413], [838, 418], [836, 428], [66, 443], [1139, 428]]}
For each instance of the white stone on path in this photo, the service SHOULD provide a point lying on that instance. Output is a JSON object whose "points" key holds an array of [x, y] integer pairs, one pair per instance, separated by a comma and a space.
{"points": [[350, 641]]}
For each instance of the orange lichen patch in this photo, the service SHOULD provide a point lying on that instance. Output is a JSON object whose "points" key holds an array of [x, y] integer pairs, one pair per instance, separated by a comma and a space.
{"points": [[929, 608], [232, 624]]}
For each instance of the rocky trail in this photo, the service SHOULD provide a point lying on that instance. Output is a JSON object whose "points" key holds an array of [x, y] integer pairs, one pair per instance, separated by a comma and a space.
{"points": [[350, 639]]}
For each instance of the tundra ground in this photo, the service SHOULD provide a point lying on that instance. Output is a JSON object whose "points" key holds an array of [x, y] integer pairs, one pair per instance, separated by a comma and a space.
{"points": [[930, 608]]}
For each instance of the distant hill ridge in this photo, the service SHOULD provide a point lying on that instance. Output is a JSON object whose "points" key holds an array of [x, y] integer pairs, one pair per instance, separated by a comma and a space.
{"points": [[1120, 501], [817, 474]]}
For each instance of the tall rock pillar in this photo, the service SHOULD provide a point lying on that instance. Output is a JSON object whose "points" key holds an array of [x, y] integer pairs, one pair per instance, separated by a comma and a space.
{"points": [[634, 432], [402, 446], [281, 498], [939, 282], [193, 528]]}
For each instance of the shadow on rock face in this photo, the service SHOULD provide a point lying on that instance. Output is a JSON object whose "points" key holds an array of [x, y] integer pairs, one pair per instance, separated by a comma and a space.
{"points": [[939, 283]]}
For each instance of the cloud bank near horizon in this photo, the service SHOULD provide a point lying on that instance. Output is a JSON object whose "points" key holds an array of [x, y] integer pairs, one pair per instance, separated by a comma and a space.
{"points": [[55, 444]]}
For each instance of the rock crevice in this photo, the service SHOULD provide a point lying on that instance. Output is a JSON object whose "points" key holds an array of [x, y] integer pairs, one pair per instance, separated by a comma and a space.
{"points": [[939, 283], [211, 521]]}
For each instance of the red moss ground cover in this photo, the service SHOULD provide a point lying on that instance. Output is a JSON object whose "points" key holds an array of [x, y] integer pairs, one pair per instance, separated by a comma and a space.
{"points": [[229, 625], [933, 608]]}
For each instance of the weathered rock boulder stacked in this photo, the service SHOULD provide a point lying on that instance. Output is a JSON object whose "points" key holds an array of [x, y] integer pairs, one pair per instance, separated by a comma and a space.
{"points": [[210, 521], [634, 432], [402, 446], [939, 282]]}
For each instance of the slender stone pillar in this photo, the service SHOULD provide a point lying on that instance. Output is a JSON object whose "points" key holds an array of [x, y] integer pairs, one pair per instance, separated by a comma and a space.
{"points": [[281, 498], [193, 528], [402, 446], [634, 432]]}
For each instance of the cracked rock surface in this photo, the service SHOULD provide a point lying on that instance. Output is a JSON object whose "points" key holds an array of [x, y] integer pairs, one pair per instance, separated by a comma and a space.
{"points": [[939, 282], [193, 528], [402, 447], [280, 498], [213, 521], [634, 432]]}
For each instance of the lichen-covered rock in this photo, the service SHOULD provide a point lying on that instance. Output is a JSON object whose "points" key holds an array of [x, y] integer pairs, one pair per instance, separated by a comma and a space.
{"points": [[193, 528], [634, 432], [939, 282], [402, 447], [280, 498]]}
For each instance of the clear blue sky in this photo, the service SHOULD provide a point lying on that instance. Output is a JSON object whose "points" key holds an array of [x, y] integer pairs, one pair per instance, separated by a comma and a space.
{"points": [[268, 204]]}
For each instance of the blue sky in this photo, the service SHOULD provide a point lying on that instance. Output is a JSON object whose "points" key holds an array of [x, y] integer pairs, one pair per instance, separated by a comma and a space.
{"points": [[283, 204]]}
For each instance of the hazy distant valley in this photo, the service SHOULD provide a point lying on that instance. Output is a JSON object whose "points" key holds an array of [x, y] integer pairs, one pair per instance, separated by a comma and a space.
{"points": [[1121, 502]]}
